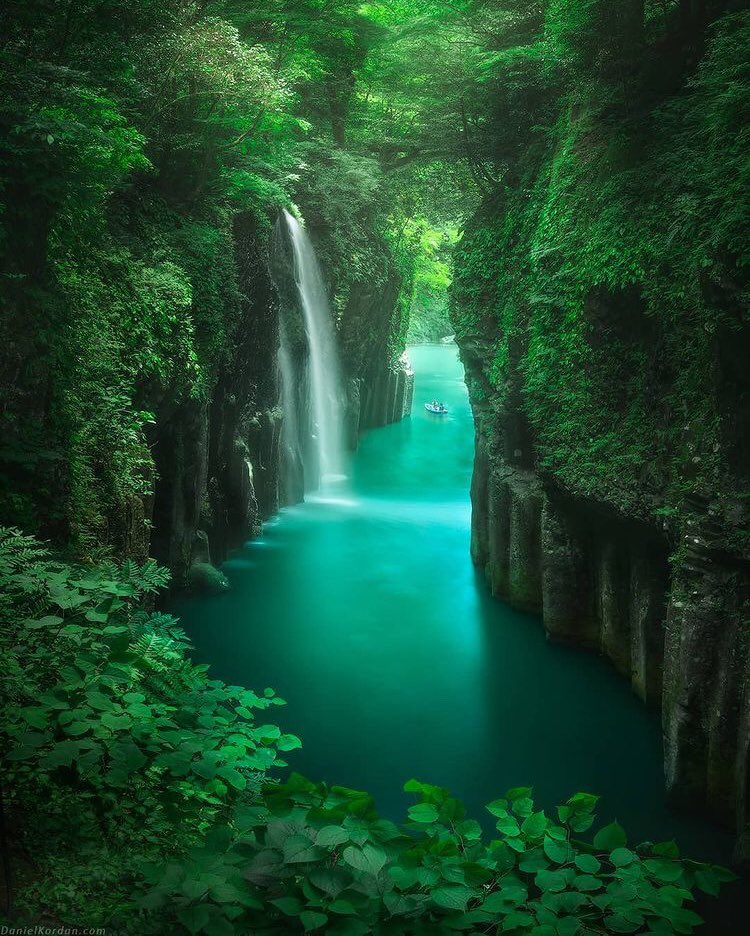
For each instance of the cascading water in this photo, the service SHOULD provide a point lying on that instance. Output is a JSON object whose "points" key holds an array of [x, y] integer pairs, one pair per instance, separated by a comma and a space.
{"points": [[324, 371], [292, 473]]}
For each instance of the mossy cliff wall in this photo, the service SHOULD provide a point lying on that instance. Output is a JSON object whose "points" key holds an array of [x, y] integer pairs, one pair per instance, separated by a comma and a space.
{"points": [[604, 324], [217, 458], [370, 279]]}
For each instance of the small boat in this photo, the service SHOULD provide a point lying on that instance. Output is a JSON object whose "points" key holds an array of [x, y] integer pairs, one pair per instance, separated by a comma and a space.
{"points": [[438, 408]]}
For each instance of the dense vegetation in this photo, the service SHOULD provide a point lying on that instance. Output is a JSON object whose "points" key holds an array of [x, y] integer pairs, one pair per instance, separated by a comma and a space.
{"points": [[610, 260], [602, 152]]}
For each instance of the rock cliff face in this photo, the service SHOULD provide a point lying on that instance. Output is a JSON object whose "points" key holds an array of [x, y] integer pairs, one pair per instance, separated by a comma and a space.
{"points": [[666, 600], [217, 461], [384, 382]]}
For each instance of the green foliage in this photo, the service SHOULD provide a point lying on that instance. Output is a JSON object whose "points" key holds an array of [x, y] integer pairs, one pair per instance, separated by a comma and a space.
{"points": [[140, 786], [113, 740], [313, 857], [428, 315]]}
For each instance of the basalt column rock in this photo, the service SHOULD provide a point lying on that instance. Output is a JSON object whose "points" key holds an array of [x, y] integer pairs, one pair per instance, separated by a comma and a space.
{"points": [[612, 578], [706, 707], [245, 428], [567, 589], [369, 322], [649, 586], [217, 462], [674, 623], [180, 452]]}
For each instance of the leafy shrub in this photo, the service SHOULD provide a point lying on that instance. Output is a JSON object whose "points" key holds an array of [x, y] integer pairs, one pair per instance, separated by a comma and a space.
{"points": [[314, 858], [113, 739]]}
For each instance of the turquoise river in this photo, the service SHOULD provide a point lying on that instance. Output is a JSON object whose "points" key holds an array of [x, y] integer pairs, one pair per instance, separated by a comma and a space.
{"points": [[362, 609]]}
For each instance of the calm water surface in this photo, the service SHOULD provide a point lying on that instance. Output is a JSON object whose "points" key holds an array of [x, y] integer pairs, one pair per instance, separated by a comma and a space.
{"points": [[363, 610]]}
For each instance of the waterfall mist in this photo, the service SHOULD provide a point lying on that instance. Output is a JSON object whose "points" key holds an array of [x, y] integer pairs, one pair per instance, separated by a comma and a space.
{"points": [[291, 477], [323, 362]]}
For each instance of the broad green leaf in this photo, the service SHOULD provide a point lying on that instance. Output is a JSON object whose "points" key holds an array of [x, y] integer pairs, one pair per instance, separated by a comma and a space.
{"points": [[49, 620], [194, 918], [423, 812], [288, 905], [663, 869], [550, 881], [588, 864], [616, 923], [345, 907], [610, 837], [369, 859], [62, 754], [682, 919], [506, 899], [498, 808], [508, 826], [299, 849], [452, 896], [331, 836], [534, 825], [533, 860], [311, 920], [98, 700], [587, 883], [559, 852], [518, 793], [666, 850], [116, 722], [127, 757], [288, 742], [194, 888], [523, 806], [35, 716], [517, 844], [78, 728], [518, 919], [233, 777], [219, 925], [622, 857]]}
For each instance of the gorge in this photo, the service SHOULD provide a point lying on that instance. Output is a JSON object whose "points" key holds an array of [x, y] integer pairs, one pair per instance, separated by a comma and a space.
{"points": [[241, 245]]}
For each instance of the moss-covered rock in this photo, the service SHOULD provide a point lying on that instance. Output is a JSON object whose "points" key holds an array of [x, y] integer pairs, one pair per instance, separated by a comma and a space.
{"points": [[205, 578]]}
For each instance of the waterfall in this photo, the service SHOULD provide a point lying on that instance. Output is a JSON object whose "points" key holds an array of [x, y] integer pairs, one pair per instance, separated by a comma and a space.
{"points": [[323, 364], [292, 471]]}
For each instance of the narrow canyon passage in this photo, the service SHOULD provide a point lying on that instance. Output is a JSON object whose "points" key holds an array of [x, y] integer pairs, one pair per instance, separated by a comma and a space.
{"points": [[362, 609]]}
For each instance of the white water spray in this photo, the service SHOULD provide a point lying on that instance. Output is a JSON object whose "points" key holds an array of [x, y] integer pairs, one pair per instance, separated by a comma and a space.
{"points": [[291, 461], [325, 379]]}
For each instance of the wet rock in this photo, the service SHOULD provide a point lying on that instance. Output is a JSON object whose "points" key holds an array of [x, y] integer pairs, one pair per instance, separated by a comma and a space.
{"points": [[206, 579]]}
